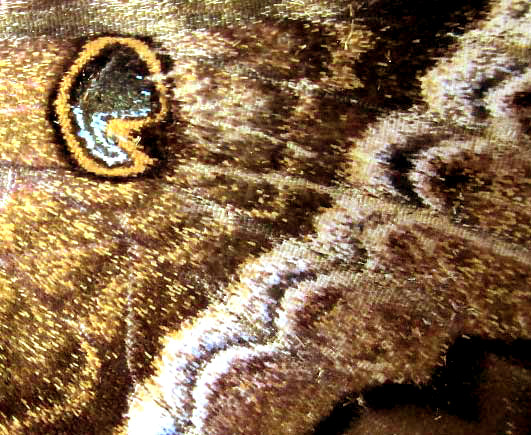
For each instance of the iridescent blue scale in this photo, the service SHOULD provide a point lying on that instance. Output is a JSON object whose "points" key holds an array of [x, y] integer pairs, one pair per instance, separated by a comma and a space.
{"points": [[114, 85]]}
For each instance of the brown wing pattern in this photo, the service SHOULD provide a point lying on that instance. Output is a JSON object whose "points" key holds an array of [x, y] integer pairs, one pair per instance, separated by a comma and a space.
{"points": [[340, 190]]}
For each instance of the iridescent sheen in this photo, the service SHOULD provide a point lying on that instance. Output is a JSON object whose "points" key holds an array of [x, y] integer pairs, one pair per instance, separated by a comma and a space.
{"points": [[113, 85]]}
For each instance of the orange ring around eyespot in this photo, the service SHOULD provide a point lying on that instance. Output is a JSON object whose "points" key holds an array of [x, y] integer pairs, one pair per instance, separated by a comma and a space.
{"points": [[125, 127]]}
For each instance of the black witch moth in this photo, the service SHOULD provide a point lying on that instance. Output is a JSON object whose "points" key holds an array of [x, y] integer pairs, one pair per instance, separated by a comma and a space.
{"points": [[263, 217]]}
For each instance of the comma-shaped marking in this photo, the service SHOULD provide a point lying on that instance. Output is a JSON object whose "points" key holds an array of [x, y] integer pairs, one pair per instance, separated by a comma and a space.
{"points": [[103, 102]]}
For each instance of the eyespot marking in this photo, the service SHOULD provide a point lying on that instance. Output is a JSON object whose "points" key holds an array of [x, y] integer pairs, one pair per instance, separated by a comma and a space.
{"points": [[104, 101]]}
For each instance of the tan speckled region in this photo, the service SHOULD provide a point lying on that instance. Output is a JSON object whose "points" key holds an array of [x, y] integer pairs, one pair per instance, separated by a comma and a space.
{"points": [[341, 195], [29, 70]]}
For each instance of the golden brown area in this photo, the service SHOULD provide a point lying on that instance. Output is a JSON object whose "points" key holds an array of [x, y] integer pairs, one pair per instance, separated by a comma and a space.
{"points": [[114, 266], [29, 70], [341, 191]]}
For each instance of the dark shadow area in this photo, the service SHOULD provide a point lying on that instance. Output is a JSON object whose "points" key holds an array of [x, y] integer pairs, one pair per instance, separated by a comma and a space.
{"points": [[410, 37], [455, 389], [340, 418]]}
